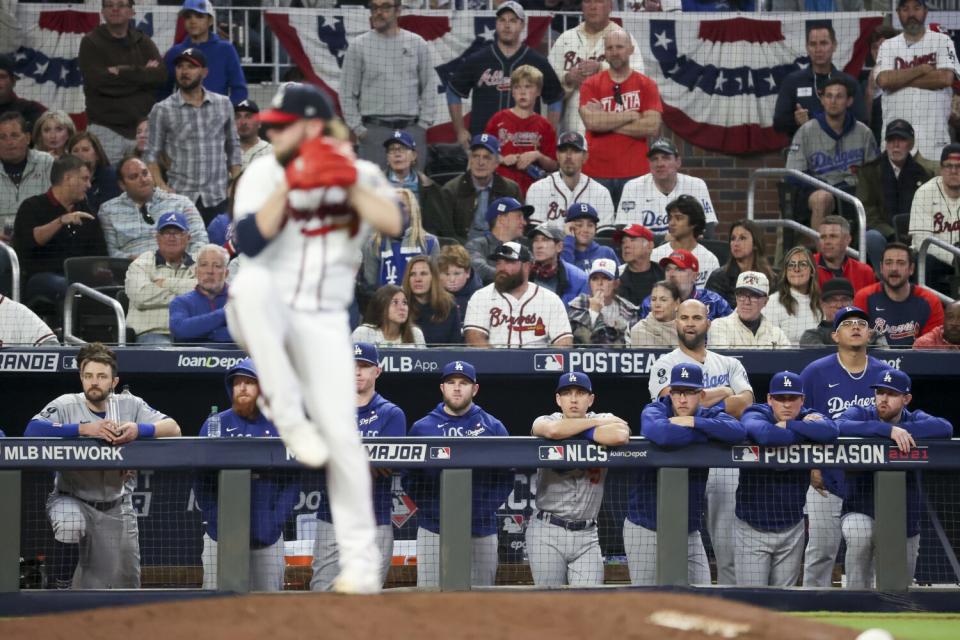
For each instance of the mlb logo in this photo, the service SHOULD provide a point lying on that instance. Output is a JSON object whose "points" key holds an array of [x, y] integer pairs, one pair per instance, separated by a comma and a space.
{"points": [[514, 523], [746, 454], [553, 452], [548, 362], [439, 453], [69, 362]]}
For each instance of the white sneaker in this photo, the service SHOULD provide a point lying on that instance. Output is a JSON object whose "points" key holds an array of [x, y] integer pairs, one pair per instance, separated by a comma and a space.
{"points": [[350, 585], [306, 445]]}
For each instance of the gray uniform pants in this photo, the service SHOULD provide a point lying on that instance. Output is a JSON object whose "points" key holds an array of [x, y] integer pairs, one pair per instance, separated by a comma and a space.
{"points": [[326, 559], [860, 562], [109, 549], [267, 566], [640, 545], [768, 558], [371, 147], [721, 493], [823, 542], [558, 557], [483, 568]]}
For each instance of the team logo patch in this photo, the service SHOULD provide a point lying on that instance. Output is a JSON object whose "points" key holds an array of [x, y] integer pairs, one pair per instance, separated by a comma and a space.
{"points": [[918, 455], [552, 452], [439, 453], [746, 454], [548, 362]]}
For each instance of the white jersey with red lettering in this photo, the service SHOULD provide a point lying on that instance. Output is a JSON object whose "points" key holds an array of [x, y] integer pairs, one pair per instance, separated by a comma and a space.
{"points": [[538, 318], [550, 197]]}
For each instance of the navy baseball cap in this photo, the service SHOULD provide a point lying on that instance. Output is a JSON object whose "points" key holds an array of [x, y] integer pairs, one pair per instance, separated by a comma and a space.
{"points": [[892, 379], [247, 105], [572, 139], [487, 141], [899, 128], [502, 206], [459, 368], [581, 210], [401, 137], [366, 352], [8, 64], [849, 312], [686, 376], [511, 251], [192, 55], [786, 383], [173, 219], [567, 380], [296, 101], [662, 145]]}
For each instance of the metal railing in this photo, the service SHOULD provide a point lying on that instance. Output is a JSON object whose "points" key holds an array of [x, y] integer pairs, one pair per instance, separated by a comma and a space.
{"points": [[922, 262], [77, 290], [796, 226], [14, 271]]}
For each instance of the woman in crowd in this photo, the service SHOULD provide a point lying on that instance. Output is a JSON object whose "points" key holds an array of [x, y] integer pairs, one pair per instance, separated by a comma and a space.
{"points": [[432, 308], [103, 177], [658, 329], [457, 276], [795, 305], [143, 136], [387, 320], [51, 132], [746, 254]]}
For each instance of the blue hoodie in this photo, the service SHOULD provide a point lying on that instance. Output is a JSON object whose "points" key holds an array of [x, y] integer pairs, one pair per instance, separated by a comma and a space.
{"points": [[584, 259], [490, 488], [196, 318], [224, 73]]}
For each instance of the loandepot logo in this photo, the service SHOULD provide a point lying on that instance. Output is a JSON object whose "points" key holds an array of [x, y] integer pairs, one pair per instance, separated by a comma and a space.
{"points": [[207, 362]]}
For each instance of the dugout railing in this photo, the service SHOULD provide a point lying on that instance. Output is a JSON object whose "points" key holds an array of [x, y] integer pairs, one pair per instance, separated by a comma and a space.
{"points": [[455, 458], [922, 253]]}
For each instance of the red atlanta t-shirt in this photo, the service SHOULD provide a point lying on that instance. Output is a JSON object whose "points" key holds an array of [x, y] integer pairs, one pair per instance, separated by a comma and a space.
{"points": [[519, 135]]}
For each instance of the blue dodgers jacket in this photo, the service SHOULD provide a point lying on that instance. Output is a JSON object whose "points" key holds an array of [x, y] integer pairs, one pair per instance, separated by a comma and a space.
{"points": [[196, 318], [490, 488], [773, 499], [584, 259], [710, 423]]}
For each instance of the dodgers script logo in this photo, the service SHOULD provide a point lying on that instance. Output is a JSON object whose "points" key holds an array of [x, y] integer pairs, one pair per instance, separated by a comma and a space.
{"points": [[529, 322]]}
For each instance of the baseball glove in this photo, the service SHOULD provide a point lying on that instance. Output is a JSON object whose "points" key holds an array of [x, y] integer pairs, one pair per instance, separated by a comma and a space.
{"points": [[319, 175]]}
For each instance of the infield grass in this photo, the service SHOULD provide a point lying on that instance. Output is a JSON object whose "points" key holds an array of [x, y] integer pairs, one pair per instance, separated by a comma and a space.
{"points": [[904, 626]]}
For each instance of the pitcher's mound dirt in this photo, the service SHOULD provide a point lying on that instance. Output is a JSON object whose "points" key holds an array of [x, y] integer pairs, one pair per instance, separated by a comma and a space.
{"points": [[619, 615]]}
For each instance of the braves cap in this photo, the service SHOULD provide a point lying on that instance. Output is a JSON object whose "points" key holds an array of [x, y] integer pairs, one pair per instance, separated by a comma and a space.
{"points": [[892, 379], [662, 145], [900, 3], [295, 101], [836, 287], [198, 6], [849, 312], [581, 210], [572, 139], [753, 281], [511, 251], [173, 219], [401, 137], [246, 105], [502, 206], [950, 152], [568, 380], [487, 141], [686, 376], [681, 258], [516, 7], [786, 383], [604, 266], [899, 128], [548, 231], [366, 352], [459, 368], [192, 55]]}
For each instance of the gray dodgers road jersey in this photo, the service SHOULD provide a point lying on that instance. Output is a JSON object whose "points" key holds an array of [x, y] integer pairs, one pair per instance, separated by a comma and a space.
{"points": [[100, 485], [718, 371], [572, 494]]}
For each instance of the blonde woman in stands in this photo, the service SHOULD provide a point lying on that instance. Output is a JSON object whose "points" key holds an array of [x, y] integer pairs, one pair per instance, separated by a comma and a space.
{"points": [[51, 132], [795, 305], [658, 329], [387, 321]]}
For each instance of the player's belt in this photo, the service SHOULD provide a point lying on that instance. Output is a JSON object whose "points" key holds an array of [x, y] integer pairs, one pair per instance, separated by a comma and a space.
{"points": [[569, 525], [105, 505], [392, 123]]}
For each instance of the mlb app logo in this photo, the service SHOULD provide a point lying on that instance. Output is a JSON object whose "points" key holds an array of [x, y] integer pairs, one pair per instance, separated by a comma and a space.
{"points": [[548, 362], [439, 453], [746, 454], [553, 452]]}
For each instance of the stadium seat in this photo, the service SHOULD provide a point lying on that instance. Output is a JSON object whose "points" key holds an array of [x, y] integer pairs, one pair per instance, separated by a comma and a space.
{"points": [[719, 248], [92, 320]]}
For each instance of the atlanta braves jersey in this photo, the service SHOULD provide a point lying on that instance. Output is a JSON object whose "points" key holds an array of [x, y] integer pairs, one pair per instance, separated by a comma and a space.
{"points": [[535, 319], [934, 213], [21, 326], [550, 198], [708, 261], [643, 203], [901, 322], [718, 371]]}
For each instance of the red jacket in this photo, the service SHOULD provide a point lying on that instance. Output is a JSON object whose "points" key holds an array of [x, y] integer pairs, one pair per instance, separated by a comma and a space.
{"points": [[859, 274]]}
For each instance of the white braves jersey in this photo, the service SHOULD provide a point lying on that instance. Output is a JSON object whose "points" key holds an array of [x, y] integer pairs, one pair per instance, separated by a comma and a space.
{"points": [[708, 261], [21, 326], [642, 203], [572, 494], [729, 331], [316, 255], [928, 110], [934, 213], [538, 318], [99, 486], [550, 199], [571, 47], [718, 371]]}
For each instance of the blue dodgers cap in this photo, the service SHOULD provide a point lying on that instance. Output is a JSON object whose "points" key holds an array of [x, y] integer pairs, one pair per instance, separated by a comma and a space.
{"points": [[401, 137], [173, 219], [568, 380], [849, 312], [459, 368], [581, 210], [892, 379], [686, 376], [487, 141], [366, 352], [502, 206], [786, 383]]}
